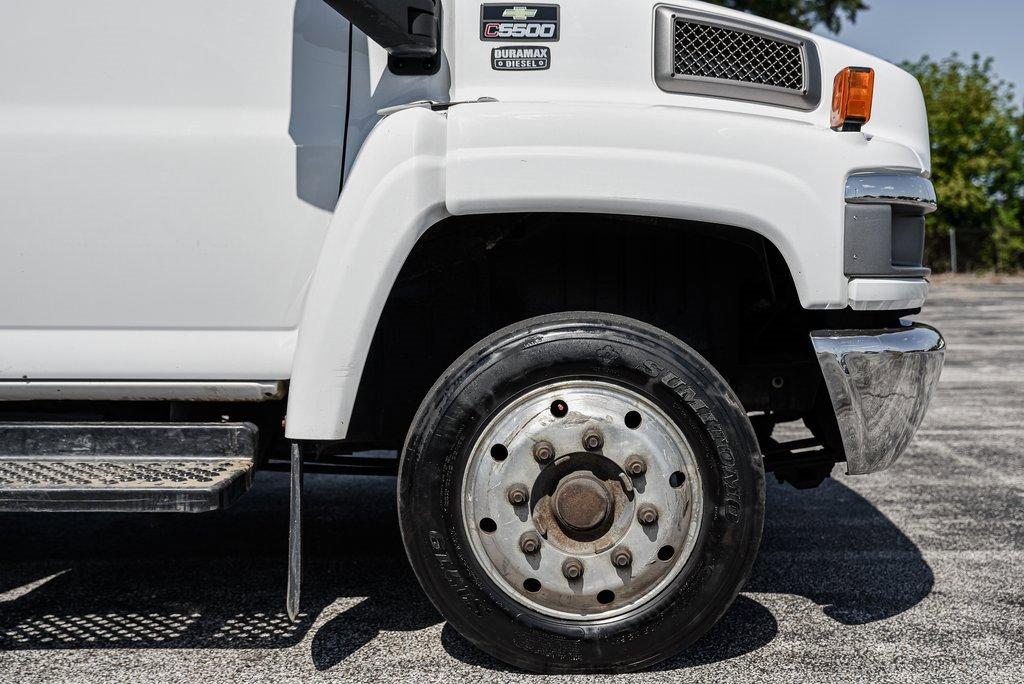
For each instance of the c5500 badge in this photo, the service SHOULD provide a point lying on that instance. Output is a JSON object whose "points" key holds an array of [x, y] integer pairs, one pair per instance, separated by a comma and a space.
{"points": [[519, 22], [521, 58]]}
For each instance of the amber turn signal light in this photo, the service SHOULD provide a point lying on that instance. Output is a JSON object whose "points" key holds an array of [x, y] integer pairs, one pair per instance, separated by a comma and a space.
{"points": [[852, 93]]}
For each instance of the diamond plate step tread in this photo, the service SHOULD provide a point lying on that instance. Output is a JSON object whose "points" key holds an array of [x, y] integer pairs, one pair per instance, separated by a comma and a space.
{"points": [[124, 467]]}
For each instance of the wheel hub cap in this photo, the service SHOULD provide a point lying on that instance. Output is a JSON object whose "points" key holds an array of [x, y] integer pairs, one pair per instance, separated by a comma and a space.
{"points": [[582, 503]]}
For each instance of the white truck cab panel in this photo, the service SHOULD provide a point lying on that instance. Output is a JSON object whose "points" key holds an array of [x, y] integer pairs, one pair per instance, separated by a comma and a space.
{"points": [[180, 176], [168, 193]]}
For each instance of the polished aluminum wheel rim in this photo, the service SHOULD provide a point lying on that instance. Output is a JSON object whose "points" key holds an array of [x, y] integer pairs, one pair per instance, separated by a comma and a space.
{"points": [[530, 520]]}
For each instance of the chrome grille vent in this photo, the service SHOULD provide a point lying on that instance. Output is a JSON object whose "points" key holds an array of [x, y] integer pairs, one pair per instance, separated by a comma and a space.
{"points": [[718, 55], [707, 51]]}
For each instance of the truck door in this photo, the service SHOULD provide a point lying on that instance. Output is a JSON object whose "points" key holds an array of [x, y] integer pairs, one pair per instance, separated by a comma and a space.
{"points": [[166, 166]]}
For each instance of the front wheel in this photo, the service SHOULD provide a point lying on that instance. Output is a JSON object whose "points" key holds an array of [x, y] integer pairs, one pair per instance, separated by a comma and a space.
{"points": [[581, 492]]}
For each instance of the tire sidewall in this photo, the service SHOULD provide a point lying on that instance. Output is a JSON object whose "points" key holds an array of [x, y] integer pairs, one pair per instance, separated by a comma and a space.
{"points": [[601, 347]]}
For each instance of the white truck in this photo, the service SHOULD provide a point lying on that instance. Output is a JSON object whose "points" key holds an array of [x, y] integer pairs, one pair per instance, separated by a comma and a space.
{"points": [[571, 263]]}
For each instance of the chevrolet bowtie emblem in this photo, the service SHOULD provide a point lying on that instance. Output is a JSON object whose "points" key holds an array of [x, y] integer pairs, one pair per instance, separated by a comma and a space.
{"points": [[519, 13]]}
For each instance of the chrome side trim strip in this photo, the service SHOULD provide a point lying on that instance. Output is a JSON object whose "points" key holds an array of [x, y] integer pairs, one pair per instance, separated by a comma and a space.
{"points": [[892, 188], [880, 383], [134, 390]]}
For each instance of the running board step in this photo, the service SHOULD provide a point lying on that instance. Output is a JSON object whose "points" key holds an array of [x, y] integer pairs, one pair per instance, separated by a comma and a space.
{"points": [[124, 467]]}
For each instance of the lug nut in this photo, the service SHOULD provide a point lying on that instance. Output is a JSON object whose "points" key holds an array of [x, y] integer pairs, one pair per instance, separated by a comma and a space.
{"points": [[529, 543], [636, 466], [572, 568], [622, 558], [518, 494], [592, 439], [647, 514], [543, 452]]}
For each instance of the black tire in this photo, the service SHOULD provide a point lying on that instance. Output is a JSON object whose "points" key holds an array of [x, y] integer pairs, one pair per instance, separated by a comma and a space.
{"points": [[596, 346]]}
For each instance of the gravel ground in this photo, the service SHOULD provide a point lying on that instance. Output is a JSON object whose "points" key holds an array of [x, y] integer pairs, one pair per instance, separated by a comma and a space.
{"points": [[913, 575]]}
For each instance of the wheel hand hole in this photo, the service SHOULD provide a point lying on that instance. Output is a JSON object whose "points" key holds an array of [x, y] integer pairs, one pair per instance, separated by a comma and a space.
{"points": [[665, 553], [499, 452], [677, 479], [559, 408], [605, 597], [633, 420], [488, 525], [531, 585]]}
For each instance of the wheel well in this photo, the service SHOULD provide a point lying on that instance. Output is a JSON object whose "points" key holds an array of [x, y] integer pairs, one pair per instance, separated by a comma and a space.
{"points": [[725, 291]]}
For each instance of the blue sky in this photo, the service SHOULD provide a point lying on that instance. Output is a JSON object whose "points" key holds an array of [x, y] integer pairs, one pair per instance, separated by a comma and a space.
{"points": [[906, 29]]}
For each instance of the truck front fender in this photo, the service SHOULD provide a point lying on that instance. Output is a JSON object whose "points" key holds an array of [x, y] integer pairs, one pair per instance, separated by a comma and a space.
{"points": [[782, 179], [394, 192]]}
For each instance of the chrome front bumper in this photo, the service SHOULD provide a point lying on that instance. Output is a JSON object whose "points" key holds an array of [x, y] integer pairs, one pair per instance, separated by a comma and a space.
{"points": [[880, 383]]}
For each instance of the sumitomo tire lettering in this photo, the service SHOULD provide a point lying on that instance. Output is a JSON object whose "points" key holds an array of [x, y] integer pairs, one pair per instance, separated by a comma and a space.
{"points": [[733, 503]]}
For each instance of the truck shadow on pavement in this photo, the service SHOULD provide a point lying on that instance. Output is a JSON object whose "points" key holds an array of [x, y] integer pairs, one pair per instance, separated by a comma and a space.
{"points": [[217, 580]]}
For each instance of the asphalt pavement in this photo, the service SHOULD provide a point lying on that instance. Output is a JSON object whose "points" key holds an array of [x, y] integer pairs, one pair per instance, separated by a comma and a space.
{"points": [[914, 575]]}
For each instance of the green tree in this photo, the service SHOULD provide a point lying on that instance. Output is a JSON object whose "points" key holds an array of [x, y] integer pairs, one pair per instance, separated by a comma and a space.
{"points": [[977, 164], [804, 14]]}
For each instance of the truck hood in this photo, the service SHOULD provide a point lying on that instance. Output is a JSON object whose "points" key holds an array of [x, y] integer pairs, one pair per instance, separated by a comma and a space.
{"points": [[603, 52]]}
